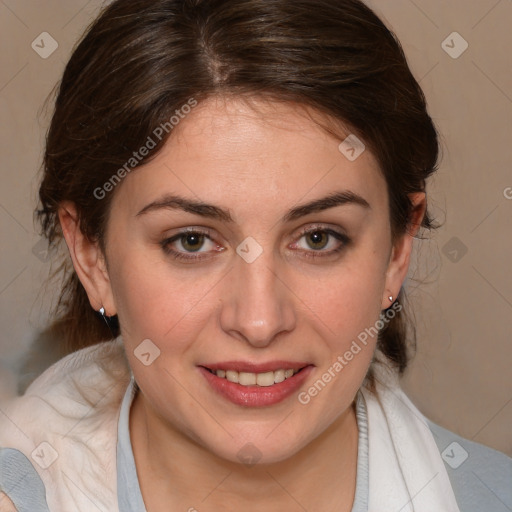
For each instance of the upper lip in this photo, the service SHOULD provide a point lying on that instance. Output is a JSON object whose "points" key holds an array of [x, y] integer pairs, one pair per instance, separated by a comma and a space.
{"points": [[248, 367]]}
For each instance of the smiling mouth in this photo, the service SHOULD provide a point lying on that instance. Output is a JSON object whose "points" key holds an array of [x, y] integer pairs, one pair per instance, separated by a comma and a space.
{"points": [[262, 379]]}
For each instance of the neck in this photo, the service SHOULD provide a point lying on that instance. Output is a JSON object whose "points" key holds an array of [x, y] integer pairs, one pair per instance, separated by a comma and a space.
{"points": [[176, 473]]}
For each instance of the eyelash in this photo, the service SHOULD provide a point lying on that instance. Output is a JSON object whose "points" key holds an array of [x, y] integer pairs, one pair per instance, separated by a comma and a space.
{"points": [[182, 256], [340, 237], [178, 255]]}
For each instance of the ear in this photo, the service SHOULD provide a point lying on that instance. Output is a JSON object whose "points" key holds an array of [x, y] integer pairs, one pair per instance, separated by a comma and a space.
{"points": [[401, 253], [88, 260]]}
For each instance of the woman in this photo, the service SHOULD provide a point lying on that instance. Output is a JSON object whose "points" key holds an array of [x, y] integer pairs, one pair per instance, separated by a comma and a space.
{"points": [[238, 184]]}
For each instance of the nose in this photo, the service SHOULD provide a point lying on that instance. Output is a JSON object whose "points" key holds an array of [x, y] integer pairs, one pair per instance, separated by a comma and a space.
{"points": [[257, 305]]}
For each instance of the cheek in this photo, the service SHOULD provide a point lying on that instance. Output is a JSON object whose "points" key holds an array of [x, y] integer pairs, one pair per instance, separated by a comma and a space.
{"points": [[348, 299], [344, 310], [156, 302]]}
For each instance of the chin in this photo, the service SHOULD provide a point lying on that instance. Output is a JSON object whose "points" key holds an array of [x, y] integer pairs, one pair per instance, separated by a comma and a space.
{"points": [[257, 448]]}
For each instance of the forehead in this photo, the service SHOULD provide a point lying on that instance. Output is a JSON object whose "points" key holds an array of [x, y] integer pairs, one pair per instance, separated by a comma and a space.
{"points": [[234, 153]]}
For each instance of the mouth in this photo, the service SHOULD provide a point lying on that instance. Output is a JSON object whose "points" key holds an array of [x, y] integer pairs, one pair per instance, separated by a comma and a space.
{"points": [[260, 379], [265, 385]]}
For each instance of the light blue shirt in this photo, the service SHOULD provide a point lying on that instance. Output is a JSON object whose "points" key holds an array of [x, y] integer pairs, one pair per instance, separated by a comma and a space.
{"points": [[483, 482]]}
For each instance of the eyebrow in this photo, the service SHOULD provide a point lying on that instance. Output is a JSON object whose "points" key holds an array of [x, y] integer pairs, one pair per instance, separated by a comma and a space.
{"points": [[174, 202]]}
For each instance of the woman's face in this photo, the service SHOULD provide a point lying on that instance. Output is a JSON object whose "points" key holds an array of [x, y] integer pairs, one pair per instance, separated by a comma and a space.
{"points": [[271, 273]]}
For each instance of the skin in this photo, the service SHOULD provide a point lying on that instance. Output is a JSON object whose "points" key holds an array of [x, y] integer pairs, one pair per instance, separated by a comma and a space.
{"points": [[6, 505], [257, 163]]}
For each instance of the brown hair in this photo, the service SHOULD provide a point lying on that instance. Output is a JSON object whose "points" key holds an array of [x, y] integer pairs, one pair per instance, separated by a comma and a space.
{"points": [[141, 60]]}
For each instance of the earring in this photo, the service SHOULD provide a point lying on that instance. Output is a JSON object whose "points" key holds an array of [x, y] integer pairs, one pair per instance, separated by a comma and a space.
{"points": [[390, 298], [102, 313], [111, 321]]}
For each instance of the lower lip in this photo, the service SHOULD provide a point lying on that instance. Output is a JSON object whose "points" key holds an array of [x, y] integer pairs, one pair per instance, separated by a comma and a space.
{"points": [[256, 396]]}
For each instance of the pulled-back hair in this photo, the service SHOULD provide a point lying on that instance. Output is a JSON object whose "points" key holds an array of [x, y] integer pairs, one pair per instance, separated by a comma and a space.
{"points": [[142, 60]]}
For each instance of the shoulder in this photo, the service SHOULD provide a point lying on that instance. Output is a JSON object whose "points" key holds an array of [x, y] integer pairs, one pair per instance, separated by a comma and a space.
{"points": [[71, 387], [85, 384], [481, 477], [65, 426]]}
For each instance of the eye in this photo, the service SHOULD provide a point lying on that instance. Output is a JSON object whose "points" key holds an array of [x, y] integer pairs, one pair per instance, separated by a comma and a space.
{"points": [[321, 241], [317, 240], [190, 244]]}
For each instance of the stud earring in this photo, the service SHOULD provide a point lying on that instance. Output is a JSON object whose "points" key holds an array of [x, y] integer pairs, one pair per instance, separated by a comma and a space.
{"points": [[390, 298], [111, 321], [102, 313]]}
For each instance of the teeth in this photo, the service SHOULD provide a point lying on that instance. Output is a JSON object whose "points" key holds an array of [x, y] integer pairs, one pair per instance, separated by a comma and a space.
{"points": [[279, 376], [232, 376], [265, 379], [253, 379], [247, 379]]}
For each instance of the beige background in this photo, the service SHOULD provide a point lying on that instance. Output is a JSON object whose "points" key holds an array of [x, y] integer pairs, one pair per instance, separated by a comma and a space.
{"points": [[461, 376]]}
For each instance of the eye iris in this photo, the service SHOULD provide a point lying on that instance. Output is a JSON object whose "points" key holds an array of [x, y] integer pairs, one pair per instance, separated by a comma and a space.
{"points": [[317, 239], [192, 241]]}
